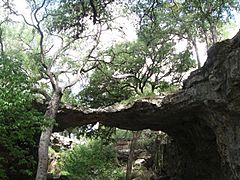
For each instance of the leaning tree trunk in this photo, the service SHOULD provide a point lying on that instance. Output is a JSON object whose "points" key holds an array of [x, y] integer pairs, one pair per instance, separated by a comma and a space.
{"points": [[45, 136], [131, 154]]}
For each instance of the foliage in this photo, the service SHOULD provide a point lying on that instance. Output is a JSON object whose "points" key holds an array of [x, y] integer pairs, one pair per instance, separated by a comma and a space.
{"points": [[94, 131], [72, 17], [148, 66], [69, 98], [149, 62], [19, 123], [194, 21], [190, 18], [91, 161], [152, 64], [59, 65], [209, 16], [103, 90], [122, 134]]}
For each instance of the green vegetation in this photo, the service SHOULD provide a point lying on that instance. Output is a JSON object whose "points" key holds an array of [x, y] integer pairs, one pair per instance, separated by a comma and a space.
{"points": [[59, 56], [20, 124], [93, 160]]}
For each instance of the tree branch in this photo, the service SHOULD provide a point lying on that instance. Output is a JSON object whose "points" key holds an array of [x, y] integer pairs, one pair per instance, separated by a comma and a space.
{"points": [[42, 92]]}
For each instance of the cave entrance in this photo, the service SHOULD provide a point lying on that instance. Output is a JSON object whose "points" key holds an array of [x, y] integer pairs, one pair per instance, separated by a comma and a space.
{"points": [[193, 152]]}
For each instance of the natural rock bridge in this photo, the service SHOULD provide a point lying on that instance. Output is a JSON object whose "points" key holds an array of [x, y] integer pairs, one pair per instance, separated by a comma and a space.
{"points": [[203, 118]]}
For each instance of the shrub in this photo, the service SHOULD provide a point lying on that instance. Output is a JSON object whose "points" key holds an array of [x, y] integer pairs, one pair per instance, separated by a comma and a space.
{"points": [[19, 123], [91, 161]]}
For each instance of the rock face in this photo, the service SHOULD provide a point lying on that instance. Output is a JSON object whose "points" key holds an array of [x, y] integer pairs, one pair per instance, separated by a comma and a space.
{"points": [[203, 117]]}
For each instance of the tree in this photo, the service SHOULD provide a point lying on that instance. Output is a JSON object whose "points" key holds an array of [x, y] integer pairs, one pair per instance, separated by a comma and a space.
{"points": [[56, 68], [133, 144], [208, 16], [190, 20], [103, 90], [149, 64], [20, 123]]}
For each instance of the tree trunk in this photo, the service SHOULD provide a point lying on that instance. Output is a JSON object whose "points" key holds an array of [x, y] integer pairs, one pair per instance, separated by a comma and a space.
{"points": [[158, 155], [136, 135], [45, 136], [1, 41], [196, 51], [214, 35], [206, 38]]}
